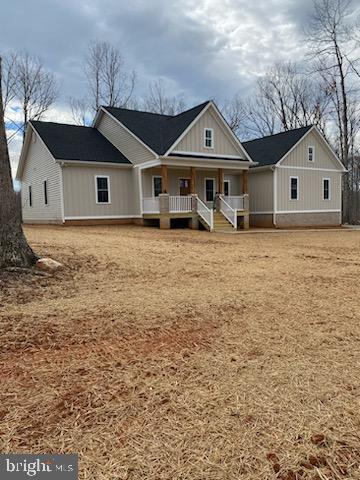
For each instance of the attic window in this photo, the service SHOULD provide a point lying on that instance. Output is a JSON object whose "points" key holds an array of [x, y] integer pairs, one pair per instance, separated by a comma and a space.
{"points": [[311, 154], [208, 138]]}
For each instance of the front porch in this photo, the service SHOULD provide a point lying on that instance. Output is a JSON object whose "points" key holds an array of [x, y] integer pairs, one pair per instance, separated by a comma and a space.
{"points": [[217, 199]]}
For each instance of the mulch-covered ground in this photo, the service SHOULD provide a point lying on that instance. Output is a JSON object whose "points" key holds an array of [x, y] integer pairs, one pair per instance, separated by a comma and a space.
{"points": [[186, 355]]}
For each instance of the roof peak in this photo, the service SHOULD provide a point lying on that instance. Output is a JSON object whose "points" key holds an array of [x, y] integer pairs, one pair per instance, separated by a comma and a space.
{"points": [[157, 114]]}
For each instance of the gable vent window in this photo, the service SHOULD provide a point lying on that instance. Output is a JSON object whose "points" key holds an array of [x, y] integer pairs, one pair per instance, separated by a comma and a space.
{"points": [[30, 196], [311, 154], [326, 188], [294, 188], [102, 185], [209, 138], [46, 192]]}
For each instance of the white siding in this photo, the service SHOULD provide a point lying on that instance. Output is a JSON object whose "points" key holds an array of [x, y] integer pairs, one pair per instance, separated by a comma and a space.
{"points": [[193, 141], [310, 193], [298, 157], [123, 140], [40, 166], [261, 191], [80, 193]]}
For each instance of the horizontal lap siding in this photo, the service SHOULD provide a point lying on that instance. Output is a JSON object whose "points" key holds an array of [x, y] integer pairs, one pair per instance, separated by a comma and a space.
{"points": [[40, 166], [193, 141], [80, 194], [123, 140], [310, 190], [261, 191]]}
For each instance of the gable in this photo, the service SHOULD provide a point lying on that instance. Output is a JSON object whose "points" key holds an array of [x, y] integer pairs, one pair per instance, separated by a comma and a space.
{"points": [[123, 140], [324, 157], [224, 143]]}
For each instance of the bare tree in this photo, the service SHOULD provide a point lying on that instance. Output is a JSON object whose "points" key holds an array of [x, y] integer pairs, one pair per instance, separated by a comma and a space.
{"points": [[331, 36], [14, 249], [286, 97], [159, 101], [79, 111], [235, 113], [109, 81], [30, 85]]}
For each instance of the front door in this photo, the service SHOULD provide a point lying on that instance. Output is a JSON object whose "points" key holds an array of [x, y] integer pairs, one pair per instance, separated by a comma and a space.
{"points": [[184, 184]]}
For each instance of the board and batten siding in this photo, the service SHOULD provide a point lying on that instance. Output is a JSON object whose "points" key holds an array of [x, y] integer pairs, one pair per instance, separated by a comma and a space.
{"points": [[123, 140], [298, 157], [40, 166], [261, 191], [193, 141], [80, 192], [310, 190]]}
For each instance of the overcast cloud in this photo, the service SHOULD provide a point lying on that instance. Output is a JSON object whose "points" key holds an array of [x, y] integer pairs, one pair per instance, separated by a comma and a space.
{"points": [[201, 48]]}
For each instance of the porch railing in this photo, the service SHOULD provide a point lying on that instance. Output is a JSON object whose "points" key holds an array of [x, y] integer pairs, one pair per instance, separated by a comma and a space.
{"points": [[228, 212], [205, 213], [150, 205], [180, 203], [237, 203]]}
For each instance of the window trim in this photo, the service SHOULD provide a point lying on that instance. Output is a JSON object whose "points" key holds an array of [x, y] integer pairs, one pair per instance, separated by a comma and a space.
{"points": [[313, 154], [46, 192], [96, 189], [214, 188], [227, 181], [30, 195], [323, 189], [153, 186], [297, 189], [212, 138]]}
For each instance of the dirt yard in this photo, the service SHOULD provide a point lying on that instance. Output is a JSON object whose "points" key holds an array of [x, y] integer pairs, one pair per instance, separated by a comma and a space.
{"points": [[186, 355]]}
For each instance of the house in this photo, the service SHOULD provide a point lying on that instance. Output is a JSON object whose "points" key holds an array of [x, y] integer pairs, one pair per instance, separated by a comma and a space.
{"points": [[146, 168], [297, 181]]}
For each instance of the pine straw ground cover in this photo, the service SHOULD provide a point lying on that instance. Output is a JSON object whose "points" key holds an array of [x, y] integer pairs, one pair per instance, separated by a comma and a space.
{"points": [[184, 355]]}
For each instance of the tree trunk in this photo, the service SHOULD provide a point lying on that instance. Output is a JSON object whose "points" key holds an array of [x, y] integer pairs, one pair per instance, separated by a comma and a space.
{"points": [[14, 249]]}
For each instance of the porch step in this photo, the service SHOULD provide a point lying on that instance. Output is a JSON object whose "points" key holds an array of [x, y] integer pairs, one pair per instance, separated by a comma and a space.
{"points": [[221, 224]]}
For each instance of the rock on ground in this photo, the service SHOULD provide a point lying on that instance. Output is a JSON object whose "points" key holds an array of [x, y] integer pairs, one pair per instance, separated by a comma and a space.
{"points": [[48, 265]]}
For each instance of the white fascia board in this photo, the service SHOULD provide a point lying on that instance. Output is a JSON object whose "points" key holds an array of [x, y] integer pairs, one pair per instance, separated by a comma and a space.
{"points": [[208, 163], [150, 164], [82, 163], [26, 147]]}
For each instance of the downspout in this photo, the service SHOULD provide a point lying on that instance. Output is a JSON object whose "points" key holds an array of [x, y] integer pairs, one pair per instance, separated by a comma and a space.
{"points": [[274, 170]]}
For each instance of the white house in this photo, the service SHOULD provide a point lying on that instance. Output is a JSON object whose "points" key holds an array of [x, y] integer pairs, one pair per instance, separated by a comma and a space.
{"points": [[140, 167]]}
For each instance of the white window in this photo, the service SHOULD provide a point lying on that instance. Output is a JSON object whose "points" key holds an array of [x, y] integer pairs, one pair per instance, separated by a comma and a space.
{"points": [[102, 188], [156, 185], [326, 188], [209, 189], [208, 138], [294, 188], [311, 154], [226, 188], [45, 192]]}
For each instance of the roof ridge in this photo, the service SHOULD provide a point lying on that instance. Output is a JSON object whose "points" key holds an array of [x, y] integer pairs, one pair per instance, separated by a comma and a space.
{"points": [[59, 123], [189, 110], [138, 111], [279, 133]]}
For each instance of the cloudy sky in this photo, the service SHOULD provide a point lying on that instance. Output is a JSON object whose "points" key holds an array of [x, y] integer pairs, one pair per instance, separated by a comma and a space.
{"points": [[200, 48]]}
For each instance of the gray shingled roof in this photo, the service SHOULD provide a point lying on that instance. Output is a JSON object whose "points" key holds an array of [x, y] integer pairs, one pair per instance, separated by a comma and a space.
{"points": [[158, 132], [269, 150], [72, 142]]}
